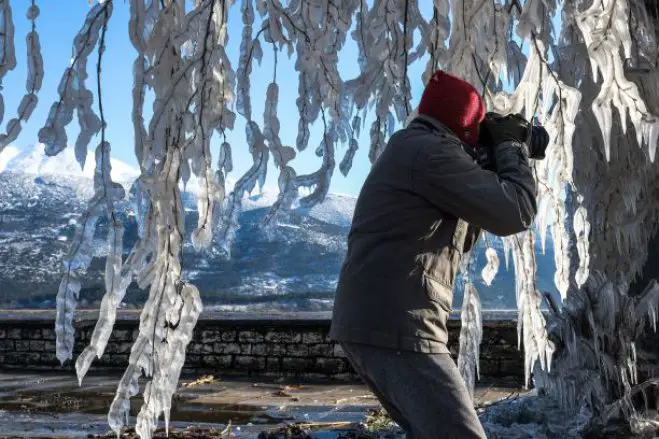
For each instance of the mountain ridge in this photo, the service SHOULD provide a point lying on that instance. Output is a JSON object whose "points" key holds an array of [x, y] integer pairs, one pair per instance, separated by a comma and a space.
{"points": [[41, 198]]}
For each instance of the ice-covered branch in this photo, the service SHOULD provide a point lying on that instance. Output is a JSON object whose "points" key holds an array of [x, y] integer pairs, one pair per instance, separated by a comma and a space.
{"points": [[604, 26], [106, 192], [73, 94], [7, 49], [34, 73]]}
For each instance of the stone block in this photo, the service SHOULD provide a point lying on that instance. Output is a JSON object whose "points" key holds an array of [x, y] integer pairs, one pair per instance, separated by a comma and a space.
{"points": [[48, 334], [321, 350], [245, 348], [226, 348], [31, 334], [13, 358], [338, 351], [229, 335], [50, 346], [49, 359], [296, 364], [37, 345], [22, 345], [194, 348], [330, 366], [260, 349], [3, 333], [511, 368], [220, 361], [124, 347], [200, 348], [273, 364], [117, 360], [7, 345], [210, 336], [249, 362], [192, 360], [14, 334], [33, 358], [489, 367], [250, 337], [290, 337], [111, 348], [276, 349], [122, 334], [80, 345], [314, 337], [297, 350], [273, 336]]}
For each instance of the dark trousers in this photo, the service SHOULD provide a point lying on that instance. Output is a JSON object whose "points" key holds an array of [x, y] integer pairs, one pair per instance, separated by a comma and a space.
{"points": [[423, 393]]}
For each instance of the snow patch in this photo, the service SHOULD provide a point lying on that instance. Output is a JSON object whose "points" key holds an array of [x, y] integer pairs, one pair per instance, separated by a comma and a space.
{"points": [[33, 160], [7, 155]]}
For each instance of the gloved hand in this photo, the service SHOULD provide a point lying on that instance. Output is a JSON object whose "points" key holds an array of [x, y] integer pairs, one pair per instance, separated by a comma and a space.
{"points": [[496, 129], [539, 143]]}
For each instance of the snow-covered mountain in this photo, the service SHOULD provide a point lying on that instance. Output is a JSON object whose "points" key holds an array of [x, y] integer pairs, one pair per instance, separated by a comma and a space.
{"points": [[41, 198], [35, 162]]}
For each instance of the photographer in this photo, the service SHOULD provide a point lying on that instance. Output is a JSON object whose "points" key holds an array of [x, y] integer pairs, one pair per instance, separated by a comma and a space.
{"points": [[450, 173]]}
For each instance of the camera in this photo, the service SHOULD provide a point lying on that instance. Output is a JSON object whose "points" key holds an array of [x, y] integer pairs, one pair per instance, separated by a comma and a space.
{"points": [[534, 147]]}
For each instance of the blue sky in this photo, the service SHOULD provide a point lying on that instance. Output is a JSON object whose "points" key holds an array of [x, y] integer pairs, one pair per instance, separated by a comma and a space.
{"points": [[57, 27]]}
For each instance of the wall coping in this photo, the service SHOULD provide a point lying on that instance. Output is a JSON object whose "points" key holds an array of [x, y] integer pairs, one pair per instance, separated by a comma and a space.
{"points": [[288, 318]]}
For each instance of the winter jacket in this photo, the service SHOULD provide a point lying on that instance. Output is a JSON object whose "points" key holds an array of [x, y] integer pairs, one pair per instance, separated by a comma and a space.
{"points": [[421, 208]]}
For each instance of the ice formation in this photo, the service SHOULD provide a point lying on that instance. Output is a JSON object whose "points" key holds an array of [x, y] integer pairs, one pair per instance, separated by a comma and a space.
{"points": [[8, 63], [596, 187]]}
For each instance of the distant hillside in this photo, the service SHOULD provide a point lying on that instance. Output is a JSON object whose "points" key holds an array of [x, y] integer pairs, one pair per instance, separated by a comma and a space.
{"points": [[41, 198]]}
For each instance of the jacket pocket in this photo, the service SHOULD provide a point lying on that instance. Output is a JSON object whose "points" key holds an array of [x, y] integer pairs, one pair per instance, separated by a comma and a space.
{"points": [[438, 292]]}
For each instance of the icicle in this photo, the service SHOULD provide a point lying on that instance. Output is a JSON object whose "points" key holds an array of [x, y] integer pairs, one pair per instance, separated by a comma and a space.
{"points": [[7, 50], [530, 321], [282, 155], [115, 289], [81, 250], [582, 232], [228, 223], [605, 30], [169, 356], [248, 49], [73, 93], [492, 267], [471, 330], [34, 69], [471, 334]]}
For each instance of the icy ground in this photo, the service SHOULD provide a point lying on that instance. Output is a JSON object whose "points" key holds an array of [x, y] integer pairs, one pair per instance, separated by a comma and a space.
{"points": [[52, 404]]}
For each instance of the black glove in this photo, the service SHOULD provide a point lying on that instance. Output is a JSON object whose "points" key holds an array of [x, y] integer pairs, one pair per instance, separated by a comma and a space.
{"points": [[496, 129], [539, 143]]}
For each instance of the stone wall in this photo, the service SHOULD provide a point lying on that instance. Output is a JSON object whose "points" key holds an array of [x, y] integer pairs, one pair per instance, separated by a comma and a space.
{"points": [[231, 343]]}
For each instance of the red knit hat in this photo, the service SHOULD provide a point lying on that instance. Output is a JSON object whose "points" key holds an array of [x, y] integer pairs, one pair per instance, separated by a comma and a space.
{"points": [[455, 103]]}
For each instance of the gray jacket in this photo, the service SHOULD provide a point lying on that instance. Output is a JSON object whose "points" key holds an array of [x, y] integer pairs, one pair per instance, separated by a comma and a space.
{"points": [[422, 206]]}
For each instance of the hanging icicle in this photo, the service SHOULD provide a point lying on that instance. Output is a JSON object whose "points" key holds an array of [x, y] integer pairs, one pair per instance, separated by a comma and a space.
{"points": [[34, 73]]}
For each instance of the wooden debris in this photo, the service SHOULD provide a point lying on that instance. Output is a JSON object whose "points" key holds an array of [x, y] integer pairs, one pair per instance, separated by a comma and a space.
{"points": [[206, 379]]}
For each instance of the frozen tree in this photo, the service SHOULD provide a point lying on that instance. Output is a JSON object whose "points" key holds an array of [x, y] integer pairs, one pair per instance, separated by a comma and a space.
{"points": [[597, 187]]}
